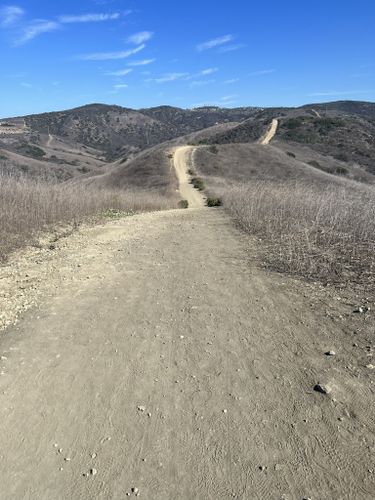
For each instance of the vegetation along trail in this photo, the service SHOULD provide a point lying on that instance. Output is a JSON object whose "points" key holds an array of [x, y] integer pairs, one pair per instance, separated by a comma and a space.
{"points": [[160, 363]]}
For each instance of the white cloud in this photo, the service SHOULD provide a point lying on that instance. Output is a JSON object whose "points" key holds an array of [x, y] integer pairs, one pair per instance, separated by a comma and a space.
{"points": [[10, 15], [228, 97], [105, 56], [141, 37], [171, 77], [26, 85], [262, 72], [88, 18], [209, 71], [145, 62], [120, 86], [215, 42], [201, 83], [205, 72], [232, 48], [121, 72], [339, 93], [36, 28], [232, 80]]}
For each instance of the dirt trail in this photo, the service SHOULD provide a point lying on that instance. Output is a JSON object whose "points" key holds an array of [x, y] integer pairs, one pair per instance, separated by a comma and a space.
{"points": [[271, 132], [316, 113], [49, 141], [159, 359], [183, 159]]}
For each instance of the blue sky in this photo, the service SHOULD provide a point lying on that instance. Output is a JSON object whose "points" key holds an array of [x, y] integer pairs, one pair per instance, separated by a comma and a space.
{"points": [[138, 53]]}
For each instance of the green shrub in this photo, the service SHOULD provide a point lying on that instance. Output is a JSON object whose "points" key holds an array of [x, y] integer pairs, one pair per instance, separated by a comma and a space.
{"points": [[191, 171], [294, 122], [341, 156], [33, 151], [289, 153], [198, 183], [113, 213], [183, 204], [83, 170], [314, 163], [214, 202], [213, 149], [341, 171]]}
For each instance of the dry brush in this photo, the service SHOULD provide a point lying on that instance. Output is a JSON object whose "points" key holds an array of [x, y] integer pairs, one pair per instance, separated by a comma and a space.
{"points": [[28, 207], [321, 231]]}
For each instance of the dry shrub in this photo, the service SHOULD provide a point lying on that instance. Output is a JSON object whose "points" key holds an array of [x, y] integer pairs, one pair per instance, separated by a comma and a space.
{"points": [[28, 207], [321, 231]]}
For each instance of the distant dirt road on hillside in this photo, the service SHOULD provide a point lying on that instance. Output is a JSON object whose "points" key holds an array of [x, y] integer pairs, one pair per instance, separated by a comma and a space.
{"points": [[183, 160], [271, 132], [160, 362]]}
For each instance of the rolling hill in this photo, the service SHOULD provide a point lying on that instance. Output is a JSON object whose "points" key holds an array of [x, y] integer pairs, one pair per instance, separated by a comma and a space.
{"points": [[111, 144]]}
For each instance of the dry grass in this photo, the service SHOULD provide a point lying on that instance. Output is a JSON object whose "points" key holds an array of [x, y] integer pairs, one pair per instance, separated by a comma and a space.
{"points": [[323, 232], [28, 207]]}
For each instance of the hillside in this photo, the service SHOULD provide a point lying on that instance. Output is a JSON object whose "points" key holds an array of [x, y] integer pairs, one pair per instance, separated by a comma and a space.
{"points": [[337, 138]]}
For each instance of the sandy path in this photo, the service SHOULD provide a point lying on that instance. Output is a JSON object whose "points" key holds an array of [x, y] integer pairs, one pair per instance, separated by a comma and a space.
{"points": [[270, 133], [182, 161], [159, 359], [316, 113]]}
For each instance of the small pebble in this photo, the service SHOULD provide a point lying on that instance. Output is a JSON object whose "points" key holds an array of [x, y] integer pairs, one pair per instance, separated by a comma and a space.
{"points": [[141, 408], [135, 490], [370, 366], [225, 411], [262, 468], [93, 472], [323, 389], [67, 459], [330, 353], [94, 455]]}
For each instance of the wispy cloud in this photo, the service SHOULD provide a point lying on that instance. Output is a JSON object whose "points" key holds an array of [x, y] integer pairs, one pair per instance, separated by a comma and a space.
{"points": [[359, 75], [141, 37], [10, 14], [262, 72], [89, 18], [228, 97], [36, 28], [209, 71], [120, 86], [232, 48], [145, 62], [204, 72], [171, 77], [121, 72], [201, 83], [334, 93], [105, 56], [11, 17], [232, 80], [215, 42], [26, 85]]}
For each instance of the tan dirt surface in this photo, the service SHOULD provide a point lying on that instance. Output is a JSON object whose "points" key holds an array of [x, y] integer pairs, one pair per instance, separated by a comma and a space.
{"points": [[160, 357], [183, 160], [270, 133]]}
